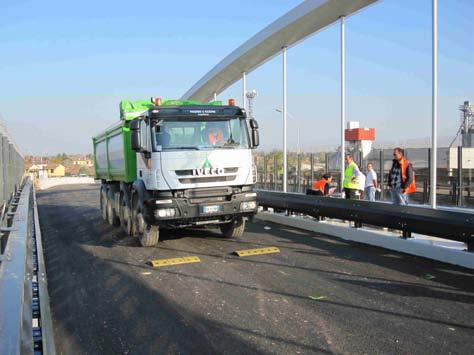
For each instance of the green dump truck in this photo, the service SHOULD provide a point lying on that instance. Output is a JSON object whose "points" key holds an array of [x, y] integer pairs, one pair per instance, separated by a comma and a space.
{"points": [[175, 164]]}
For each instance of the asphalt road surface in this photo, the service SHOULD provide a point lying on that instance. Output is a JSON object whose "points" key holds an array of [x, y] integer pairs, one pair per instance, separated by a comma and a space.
{"points": [[318, 295]]}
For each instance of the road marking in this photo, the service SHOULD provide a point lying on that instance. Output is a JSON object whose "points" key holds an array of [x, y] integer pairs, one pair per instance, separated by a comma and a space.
{"points": [[317, 297], [174, 261], [259, 251]]}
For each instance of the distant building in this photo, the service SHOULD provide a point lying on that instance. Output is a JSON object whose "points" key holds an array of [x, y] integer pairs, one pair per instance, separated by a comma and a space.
{"points": [[83, 162], [35, 170], [56, 170]]}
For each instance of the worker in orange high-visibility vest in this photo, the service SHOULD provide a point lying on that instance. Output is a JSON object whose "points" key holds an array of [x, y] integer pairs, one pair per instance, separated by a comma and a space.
{"points": [[321, 187], [401, 178], [214, 133]]}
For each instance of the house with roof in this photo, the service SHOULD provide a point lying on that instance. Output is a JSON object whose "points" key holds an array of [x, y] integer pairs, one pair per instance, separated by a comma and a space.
{"points": [[55, 170], [82, 161]]}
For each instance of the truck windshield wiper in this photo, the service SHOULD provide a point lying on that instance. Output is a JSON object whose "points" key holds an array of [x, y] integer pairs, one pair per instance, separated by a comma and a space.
{"points": [[225, 146], [190, 147]]}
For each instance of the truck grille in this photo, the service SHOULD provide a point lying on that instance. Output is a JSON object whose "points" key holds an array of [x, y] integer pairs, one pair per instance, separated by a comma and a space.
{"points": [[187, 177], [201, 179], [189, 172], [208, 192]]}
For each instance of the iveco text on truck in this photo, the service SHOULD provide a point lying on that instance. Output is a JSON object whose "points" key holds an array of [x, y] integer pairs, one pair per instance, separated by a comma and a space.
{"points": [[174, 164]]}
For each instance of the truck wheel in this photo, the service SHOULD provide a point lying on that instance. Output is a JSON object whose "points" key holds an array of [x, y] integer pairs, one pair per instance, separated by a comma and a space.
{"points": [[103, 202], [126, 217], [234, 229], [150, 236], [112, 217], [147, 234]]}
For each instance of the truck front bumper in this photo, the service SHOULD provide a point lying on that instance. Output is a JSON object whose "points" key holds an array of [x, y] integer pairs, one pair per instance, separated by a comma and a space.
{"points": [[178, 212]]}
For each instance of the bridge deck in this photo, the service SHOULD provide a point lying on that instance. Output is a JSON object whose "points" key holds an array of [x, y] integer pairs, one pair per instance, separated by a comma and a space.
{"points": [[320, 294]]}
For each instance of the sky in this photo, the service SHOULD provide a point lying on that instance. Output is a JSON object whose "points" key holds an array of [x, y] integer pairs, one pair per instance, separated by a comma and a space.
{"points": [[65, 66]]}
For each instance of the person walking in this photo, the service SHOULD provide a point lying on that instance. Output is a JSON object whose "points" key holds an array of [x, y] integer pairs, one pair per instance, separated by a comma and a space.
{"points": [[361, 181], [321, 187], [370, 183], [401, 178], [350, 183]]}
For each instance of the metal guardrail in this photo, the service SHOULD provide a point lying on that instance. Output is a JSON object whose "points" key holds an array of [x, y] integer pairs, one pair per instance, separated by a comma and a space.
{"points": [[25, 318], [11, 168], [452, 225]]}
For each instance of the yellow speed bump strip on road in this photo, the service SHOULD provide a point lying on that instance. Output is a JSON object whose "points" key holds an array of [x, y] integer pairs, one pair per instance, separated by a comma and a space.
{"points": [[248, 252], [174, 261]]}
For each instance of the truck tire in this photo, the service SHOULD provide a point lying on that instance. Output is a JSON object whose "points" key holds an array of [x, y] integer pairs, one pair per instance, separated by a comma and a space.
{"points": [[125, 216], [234, 229], [103, 202], [150, 236], [112, 217]]}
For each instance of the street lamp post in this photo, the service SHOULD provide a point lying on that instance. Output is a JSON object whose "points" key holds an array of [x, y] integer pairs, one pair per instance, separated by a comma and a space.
{"points": [[284, 111], [343, 97], [434, 103]]}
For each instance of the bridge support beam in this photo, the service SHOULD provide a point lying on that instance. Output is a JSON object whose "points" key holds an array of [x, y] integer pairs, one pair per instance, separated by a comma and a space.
{"points": [[285, 113], [244, 89], [434, 104], [343, 96]]}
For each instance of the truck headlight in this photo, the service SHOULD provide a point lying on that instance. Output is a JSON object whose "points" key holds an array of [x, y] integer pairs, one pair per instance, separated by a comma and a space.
{"points": [[163, 202], [248, 205], [165, 212]]}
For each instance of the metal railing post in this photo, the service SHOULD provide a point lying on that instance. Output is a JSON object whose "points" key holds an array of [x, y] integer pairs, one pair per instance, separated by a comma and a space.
{"points": [[429, 173], [382, 177], [2, 178], [298, 173], [264, 172], [459, 190], [326, 162], [275, 172]]}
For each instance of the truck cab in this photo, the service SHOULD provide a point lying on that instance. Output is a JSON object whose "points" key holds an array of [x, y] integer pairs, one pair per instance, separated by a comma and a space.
{"points": [[194, 167]]}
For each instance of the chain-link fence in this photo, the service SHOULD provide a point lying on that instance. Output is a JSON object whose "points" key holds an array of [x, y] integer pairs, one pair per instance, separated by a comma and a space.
{"points": [[12, 167]]}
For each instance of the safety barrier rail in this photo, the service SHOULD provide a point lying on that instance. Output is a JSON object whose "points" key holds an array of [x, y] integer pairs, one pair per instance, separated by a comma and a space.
{"points": [[452, 225], [25, 318], [11, 168]]}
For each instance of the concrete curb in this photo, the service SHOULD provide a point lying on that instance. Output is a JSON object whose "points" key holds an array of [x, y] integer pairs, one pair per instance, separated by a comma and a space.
{"points": [[427, 247]]}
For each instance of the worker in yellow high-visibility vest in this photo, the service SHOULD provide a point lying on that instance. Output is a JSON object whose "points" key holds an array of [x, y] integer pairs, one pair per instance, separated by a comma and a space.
{"points": [[351, 183]]}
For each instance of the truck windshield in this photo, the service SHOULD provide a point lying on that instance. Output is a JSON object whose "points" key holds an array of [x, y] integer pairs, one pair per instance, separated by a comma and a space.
{"points": [[200, 134]]}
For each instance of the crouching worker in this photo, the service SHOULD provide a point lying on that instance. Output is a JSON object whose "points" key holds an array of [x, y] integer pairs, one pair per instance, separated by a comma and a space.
{"points": [[321, 187]]}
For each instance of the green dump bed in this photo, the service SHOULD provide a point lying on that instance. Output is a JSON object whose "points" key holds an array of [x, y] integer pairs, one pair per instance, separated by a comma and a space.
{"points": [[114, 158]]}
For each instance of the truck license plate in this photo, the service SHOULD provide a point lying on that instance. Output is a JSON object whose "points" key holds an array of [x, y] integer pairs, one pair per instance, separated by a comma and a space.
{"points": [[211, 209]]}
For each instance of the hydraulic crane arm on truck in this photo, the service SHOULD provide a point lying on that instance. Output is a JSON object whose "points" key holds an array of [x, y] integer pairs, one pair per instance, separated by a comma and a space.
{"points": [[176, 164]]}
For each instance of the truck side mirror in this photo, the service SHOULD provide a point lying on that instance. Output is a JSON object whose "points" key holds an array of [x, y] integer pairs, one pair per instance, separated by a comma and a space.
{"points": [[136, 141], [255, 134]]}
